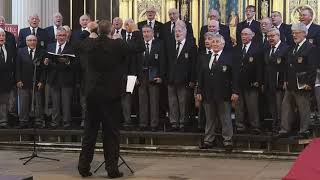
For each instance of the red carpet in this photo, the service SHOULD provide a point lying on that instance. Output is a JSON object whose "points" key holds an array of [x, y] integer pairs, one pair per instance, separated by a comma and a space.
{"points": [[307, 165]]}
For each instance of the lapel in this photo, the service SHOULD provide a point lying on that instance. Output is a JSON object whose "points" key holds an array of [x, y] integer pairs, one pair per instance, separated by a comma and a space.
{"points": [[153, 44], [184, 48], [9, 54], [303, 46]]}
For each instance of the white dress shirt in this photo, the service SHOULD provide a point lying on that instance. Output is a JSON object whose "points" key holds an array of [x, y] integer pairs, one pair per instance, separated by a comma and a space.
{"points": [[35, 30], [62, 47], [152, 23], [127, 35], [275, 48], [150, 43], [33, 52], [212, 58], [181, 46], [4, 52]]}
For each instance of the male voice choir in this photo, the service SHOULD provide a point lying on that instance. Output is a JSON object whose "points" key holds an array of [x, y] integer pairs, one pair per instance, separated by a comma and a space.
{"points": [[271, 69]]}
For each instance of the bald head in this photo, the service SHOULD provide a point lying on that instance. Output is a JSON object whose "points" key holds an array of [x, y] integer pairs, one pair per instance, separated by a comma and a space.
{"points": [[213, 15], [31, 41], [84, 20], [173, 14], [246, 35], [117, 23], [213, 26], [34, 20], [265, 24]]}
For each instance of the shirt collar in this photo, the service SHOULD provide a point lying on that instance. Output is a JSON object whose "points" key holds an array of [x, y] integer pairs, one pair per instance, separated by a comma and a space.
{"points": [[249, 21], [219, 53], [34, 50], [149, 42], [308, 26], [207, 51], [278, 27], [182, 42], [62, 45], [247, 45], [277, 45], [301, 43], [152, 21], [35, 29]]}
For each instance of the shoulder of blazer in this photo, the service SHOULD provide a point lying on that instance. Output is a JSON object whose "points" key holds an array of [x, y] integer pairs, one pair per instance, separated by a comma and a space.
{"points": [[158, 23]]}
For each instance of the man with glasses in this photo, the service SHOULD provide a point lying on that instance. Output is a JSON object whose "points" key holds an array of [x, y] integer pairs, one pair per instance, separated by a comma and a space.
{"points": [[285, 29], [249, 23], [301, 75], [151, 21]]}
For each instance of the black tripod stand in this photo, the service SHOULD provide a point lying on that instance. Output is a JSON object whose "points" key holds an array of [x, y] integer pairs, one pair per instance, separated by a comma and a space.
{"points": [[122, 162], [32, 117]]}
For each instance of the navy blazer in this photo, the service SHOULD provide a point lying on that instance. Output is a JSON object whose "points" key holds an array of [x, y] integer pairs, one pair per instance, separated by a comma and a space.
{"points": [[314, 34], [218, 83], [251, 65], [42, 36], [157, 27], [224, 31], [61, 74], [254, 26], [25, 67], [181, 69], [275, 67], [286, 34], [167, 35], [303, 61], [51, 35], [7, 69], [10, 39]]}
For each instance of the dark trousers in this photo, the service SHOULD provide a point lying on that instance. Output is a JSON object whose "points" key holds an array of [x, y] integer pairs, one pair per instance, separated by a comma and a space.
{"points": [[248, 103], [274, 99], [25, 97], [218, 112], [4, 97], [126, 100], [61, 97], [107, 112], [292, 100], [177, 95], [149, 104]]}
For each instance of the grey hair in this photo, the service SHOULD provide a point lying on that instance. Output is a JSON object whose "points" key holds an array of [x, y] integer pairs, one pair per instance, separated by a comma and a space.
{"points": [[220, 37], [128, 20], [299, 27], [34, 15], [276, 30], [2, 31], [214, 11], [31, 36], [209, 34], [61, 29]]}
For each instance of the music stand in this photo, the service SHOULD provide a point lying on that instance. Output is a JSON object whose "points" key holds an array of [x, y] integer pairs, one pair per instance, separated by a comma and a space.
{"points": [[32, 116], [123, 162]]}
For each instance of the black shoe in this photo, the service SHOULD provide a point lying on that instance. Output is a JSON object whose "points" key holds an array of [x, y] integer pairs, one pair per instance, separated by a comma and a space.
{"points": [[255, 131], [282, 135], [240, 131], [228, 145], [115, 174], [143, 128], [182, 129], [67, 127], [154, 129], [85, 174], [304, 135], [4, 126], [23, 126], [206, 145], [172, 128], [51, 127]]}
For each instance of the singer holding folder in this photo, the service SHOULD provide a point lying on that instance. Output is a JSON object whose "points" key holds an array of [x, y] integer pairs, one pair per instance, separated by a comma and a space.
{"points": [[299, 83], [106, 83], [62, 69]]}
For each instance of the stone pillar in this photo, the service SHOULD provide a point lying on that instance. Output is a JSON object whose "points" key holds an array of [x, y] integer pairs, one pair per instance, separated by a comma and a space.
{"points": [[21, 10]]}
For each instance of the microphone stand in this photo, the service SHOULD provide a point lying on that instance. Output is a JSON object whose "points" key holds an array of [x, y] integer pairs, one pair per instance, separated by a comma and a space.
{"points": [[32, 117]]}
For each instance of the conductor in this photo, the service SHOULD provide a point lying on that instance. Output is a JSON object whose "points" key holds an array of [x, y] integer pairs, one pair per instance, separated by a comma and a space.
{"points": [[106, 83]]}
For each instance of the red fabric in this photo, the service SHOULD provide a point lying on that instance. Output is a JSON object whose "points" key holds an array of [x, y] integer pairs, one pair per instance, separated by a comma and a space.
{"points": [[307, 165]]}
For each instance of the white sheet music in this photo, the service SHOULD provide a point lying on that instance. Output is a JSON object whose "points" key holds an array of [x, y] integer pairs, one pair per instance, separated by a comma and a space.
{"points": [[131, 81]]}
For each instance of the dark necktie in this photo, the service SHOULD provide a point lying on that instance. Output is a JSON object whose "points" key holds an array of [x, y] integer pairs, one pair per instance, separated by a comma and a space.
{"points": [[296, 48], [33, 31], [214, 60], [248, 24], [2, 54], [210, 52], [147, 49], [59, 50], [173, 27], [30, 54], [178, 47], [129, 37], [243, 51], [272, 50], [265, 39], [150, 23], [117, 31]]}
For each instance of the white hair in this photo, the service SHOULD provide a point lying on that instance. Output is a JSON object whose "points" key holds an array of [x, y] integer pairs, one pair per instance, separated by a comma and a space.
{"points": [[2, 31], [299, 27], [276, 30]]}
